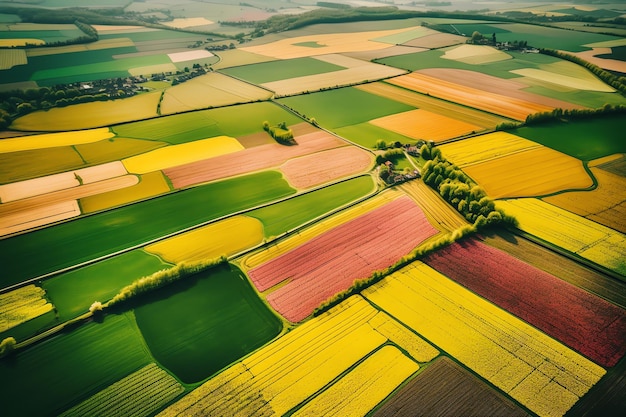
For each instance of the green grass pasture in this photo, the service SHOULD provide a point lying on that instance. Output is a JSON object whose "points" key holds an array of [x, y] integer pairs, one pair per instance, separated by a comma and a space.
{"points": [[203, 124], [582, 139], [62, 370], [39, 252], [281, 217], [48, 36], [155, 35], [198, 326], [279, 70], [73, 292], [9, 18], [344, 106]]}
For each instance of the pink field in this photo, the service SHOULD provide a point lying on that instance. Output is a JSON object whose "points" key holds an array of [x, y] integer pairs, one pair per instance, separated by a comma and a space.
{"points": [[249, 160], [581, 320], [331, 262]]}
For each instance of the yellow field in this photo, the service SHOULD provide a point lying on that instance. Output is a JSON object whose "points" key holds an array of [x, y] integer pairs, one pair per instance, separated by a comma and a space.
{"points": [[12, 43], [364, 387], [529, 173], [150, 185], [586, 238], [421, 101], [115, 149], [356, 71], [12, 57], [514, 356], [274, 250], [422, 124], [237, 57], [440, 214], [174, 155], [226, 237], [475, 54], [89, 115], [188, 22], [50, 140], [605, 205], [589, 83], [210, 90], [94, 46], [485, 148], [511, 107], [21, 305], [333, 43], [22, 165]]}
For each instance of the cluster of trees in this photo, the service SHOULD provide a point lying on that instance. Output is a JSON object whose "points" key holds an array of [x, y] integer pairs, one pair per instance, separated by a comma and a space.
{"points": [[617, 82], [462, 193], [7, 346], [280, 132]]}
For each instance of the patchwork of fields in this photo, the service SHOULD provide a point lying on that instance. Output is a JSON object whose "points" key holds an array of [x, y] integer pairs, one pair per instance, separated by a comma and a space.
{"points": [[106, 198]]}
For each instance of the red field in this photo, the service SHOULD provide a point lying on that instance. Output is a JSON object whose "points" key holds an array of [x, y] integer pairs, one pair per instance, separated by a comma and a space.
{"points": [[332, 261], [248, 160], [583, 321]]}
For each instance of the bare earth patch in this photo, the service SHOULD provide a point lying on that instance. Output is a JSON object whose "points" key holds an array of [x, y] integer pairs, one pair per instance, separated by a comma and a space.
{"points": [[322, 167], [38, 216]]}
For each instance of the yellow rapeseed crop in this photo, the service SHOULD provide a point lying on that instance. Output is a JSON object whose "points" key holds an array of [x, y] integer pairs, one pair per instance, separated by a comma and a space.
{"points": [[226, 237], [175, 155], [50, 140], [364, 387], [514, 356], [296, 366], [150, 185], [529, 173], [485, 148], [574, 233], [21, 305]]}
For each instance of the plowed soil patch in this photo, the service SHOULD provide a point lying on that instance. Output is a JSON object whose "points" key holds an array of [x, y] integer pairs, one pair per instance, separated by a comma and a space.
{"points": [[248, 160], [325, 166], [329, 263], [585, 322], [446, 389]]}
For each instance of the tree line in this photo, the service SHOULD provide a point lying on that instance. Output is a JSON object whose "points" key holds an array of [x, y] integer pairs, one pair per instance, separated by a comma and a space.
{"points": [[564, 114]]}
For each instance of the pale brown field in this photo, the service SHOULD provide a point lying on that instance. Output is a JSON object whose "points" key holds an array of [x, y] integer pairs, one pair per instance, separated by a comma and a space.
{"points": [[307, 171], [38, 216], [436, 41], [12, 57], [422, 124]]}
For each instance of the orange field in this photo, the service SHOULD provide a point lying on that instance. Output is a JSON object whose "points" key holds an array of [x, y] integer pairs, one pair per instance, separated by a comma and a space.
{"points": [[504, 105], [422, 124]]}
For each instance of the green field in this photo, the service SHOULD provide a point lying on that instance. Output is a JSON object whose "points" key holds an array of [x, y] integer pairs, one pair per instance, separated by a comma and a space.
{"points": [[344, 106], [279, 70], [366, 134], [48, 64], [582, 139], [48, 36], [286, 215], [155, 35], [204, 124], [9, 18], [66, 244], [198, 326], [62, 370], [73, 292], [82, 3]]}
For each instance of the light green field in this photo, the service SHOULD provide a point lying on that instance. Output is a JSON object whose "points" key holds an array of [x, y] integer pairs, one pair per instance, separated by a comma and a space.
{"points": [[73, 292], [366, 134], [71, 365], [17, 166], [279, 70], [115, 148], [344, 106], [284, 216], [203, 124], [200, 325]]}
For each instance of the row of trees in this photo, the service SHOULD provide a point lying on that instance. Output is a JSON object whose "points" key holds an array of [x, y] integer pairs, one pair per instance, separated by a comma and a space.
{"points": [[564, 114]]}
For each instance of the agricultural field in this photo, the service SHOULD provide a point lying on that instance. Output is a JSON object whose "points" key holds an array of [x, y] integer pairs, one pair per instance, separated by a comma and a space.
{"points": [[215, 229]]}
